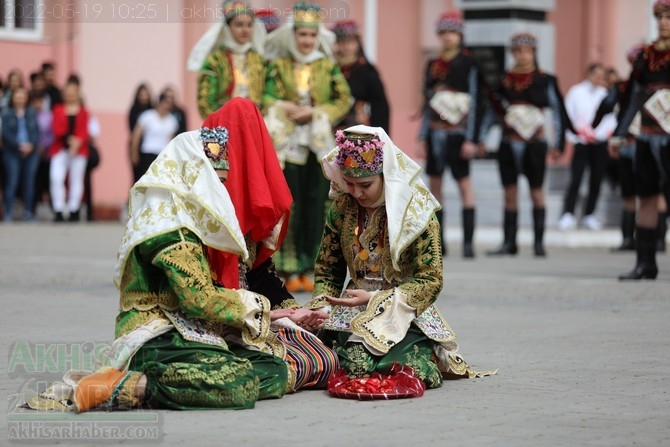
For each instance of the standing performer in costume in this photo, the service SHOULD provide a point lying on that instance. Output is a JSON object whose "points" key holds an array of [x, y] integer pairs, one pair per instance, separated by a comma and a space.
{"points": [[625, 156], [625, 159], [305, 95], [453, 111], [204, 321], [648, 92], [370, 104], [229, 59], [381, 230], [524, 92]]}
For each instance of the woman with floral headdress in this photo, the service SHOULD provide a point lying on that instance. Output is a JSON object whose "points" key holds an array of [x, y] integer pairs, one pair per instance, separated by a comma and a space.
{"points": [[204, 321], [370, 104], [519, 101], [229, 59], [647, 92], [305, 96], [382, 232]]}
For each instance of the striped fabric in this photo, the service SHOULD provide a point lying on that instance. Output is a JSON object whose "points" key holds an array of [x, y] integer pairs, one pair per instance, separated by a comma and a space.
{"points": [[312, 361]]}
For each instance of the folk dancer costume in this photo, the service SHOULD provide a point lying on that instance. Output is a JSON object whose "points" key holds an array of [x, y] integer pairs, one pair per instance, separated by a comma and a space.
{"points": [[648, 92], [313, 80], [454, 92], [226, 68], [391, 249], [519, 101], [370, 104], [625, 161], [187, 321]]}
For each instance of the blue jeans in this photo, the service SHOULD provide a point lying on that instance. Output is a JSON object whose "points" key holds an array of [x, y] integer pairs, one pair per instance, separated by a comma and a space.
{"points": [[20, 168]]}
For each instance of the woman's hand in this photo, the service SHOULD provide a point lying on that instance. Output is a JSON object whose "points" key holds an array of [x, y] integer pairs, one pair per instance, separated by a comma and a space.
{"points": [[25, 149], [357, 297], [135, 158], [469, 150], [308, 318], [289, 107], [73, 144], [302, 115], [281, 313], [554, 154]]}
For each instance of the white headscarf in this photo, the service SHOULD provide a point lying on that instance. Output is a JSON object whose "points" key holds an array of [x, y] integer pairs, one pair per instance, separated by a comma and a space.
{"points": [[220, 34], [281, 43], [409, 204], [181, 190]]}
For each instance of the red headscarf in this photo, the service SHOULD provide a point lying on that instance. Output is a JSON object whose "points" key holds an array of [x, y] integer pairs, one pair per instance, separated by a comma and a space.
{"points": [[255, 183]]}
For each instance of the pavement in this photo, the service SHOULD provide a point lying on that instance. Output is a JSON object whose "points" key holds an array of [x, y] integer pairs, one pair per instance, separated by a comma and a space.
{"points": [[582, 358]]}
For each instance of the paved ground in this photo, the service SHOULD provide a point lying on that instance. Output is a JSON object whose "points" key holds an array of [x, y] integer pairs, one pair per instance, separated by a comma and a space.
{"points": [[583, 359]]}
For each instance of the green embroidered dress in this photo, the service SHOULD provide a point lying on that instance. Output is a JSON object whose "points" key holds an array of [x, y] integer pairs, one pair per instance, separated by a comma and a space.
{"points": [[418, 281], [393, 250]]}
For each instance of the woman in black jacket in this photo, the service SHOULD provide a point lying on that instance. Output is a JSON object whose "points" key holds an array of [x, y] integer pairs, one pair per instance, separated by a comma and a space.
{"points": [[370, 104]]}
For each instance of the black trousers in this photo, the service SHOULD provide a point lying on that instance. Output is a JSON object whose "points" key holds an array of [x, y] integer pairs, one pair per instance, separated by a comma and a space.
{"points": [[595, 156]]}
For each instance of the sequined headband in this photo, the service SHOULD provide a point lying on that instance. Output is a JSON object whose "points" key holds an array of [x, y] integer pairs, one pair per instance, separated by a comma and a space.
{"points": [[521, 39], [449, 21], [215, 145], [306, 14], [232, 9], [360, 155]]}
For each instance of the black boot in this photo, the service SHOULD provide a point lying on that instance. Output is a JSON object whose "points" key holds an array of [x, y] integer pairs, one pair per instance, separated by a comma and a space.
{"points": [[440, 219], [627, 231], [645, 267], [538, 228], [58, 217], [509, 233], [74, 216], [662, 229], [468, 218]]}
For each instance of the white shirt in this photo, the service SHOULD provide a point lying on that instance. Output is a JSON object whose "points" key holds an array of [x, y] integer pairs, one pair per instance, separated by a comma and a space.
{"points": [[157, 131], [581, 104]]}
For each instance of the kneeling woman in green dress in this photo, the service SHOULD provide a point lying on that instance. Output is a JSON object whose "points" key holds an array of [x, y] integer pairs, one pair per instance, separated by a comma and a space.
{"points": [[204, 321], [382, 231]]}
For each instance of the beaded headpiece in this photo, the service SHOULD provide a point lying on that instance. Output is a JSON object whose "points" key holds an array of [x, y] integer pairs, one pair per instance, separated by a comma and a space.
{"points": [[450, 21], [306, 14], [345, 28], [235, 8], [359, 155], [661, 6], [215, 145], [269, 19], [521, 39]]}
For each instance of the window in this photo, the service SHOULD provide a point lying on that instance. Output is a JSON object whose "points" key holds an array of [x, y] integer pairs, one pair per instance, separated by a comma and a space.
{"points": [[21, 19]]}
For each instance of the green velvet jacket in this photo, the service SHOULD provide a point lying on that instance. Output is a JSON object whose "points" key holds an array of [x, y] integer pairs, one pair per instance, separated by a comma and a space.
{"points": [[216, 80], [170, 272]]}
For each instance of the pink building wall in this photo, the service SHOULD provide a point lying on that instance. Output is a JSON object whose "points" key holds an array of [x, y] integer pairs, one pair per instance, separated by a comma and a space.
{"points": [[113, 58]]}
